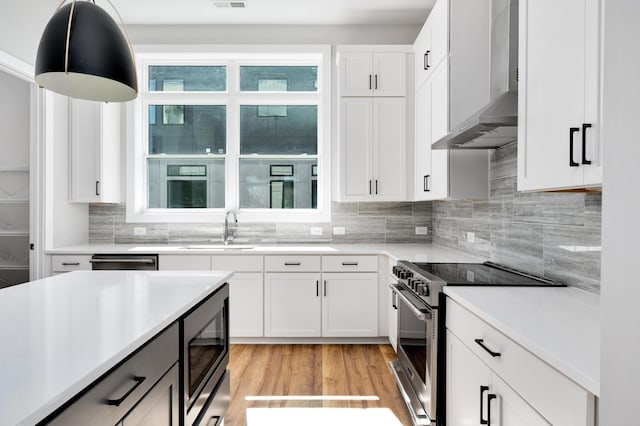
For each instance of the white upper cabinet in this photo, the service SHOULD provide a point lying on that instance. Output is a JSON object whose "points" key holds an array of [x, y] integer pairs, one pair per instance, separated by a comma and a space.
{"points": [[559, 144], [372, 73], [372, 149], [432, 44], [95, 151]]}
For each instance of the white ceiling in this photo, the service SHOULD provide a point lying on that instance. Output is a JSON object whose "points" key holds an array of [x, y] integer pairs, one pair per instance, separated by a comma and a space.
{"points": [[273, 12]]}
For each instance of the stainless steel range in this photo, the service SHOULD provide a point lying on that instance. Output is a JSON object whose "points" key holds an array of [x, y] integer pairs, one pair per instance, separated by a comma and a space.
{"points": [[417, 295]]}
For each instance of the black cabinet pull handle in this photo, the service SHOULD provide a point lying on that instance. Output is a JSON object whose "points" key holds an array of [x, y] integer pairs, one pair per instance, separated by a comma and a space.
{"points": [[426, 60], [291, 263], [572, 130], [585, 126], [317, 288], [376, 82], [376, 186], [426, 183], [370, 191], [370, 87], [483, 389], [325, 288], [490, 397], [97, 188], [480, 342], [349, 263], [117, 402], [70, 263], [394, 300]]}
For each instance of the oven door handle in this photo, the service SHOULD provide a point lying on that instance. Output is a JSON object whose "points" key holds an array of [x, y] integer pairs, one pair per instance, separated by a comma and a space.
{"points": [[423, 314]]}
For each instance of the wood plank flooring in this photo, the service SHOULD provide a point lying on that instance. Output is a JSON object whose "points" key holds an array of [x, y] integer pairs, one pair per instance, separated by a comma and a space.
{"points": [[312, 370]]}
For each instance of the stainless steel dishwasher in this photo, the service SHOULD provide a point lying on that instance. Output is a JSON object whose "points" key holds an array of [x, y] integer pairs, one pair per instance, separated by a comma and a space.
{"points": [[147, 262]]}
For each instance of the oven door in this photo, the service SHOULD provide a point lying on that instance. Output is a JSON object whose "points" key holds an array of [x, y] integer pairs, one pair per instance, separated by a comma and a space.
{"points": [[416, 366]]}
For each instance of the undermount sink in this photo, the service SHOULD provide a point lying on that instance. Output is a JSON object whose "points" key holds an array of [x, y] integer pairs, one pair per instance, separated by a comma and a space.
{"points": [[219, 247]]}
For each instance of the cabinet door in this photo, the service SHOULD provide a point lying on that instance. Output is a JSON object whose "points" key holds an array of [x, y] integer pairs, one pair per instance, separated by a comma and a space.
{"points": [[465, 376], [422, 54], [159, 407], [292, 304], [389, 74], [95, 151], [423, 178], [356, 74], [246, 305], [552, 101], [440, 101], [510, 409], [356, 144], [439, 34], [389, 123], [341, 317]]}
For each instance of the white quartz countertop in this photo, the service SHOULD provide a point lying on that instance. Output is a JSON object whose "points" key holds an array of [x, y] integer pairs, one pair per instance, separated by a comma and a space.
{"points": [[560, 325], [410, 252], [59, 334]]}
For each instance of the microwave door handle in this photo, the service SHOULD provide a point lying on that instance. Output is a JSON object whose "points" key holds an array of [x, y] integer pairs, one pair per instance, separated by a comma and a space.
{"points": [[422, 314]]}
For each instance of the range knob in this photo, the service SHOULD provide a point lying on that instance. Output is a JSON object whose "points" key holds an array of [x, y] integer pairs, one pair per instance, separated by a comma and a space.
{"points": [[403, 275], [423, 290], [394, 271]]}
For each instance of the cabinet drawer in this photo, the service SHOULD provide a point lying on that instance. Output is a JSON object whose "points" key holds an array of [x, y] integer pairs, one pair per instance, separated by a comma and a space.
{"points": [[240, 263], [350, 263], [70, 263], [542, 386], [292, 263], [150, 363]]}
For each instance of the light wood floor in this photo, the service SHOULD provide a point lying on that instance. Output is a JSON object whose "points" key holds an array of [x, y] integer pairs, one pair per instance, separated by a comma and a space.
{"points": [[312, 370]]}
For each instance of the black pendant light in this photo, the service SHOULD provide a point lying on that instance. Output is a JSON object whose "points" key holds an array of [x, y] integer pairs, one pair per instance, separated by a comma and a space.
{"points": [[83, 54]]}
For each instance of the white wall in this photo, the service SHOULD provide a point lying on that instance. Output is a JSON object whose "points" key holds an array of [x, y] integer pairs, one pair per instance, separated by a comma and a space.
{"points": [[14, 121], [620, 294], [21, 25]]}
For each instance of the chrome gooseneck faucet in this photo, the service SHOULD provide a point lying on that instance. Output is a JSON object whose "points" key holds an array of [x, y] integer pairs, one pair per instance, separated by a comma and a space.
{"points": [[228, 234]]}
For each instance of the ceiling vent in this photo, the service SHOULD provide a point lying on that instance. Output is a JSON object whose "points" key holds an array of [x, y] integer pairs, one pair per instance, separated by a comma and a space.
{"points": [[233, 4]]}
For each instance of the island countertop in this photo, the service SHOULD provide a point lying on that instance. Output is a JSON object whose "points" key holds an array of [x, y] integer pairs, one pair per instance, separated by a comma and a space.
{"points": [[60, 334]]}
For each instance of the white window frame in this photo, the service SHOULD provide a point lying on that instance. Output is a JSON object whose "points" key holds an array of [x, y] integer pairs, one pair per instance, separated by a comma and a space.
{"points": [[232, 56]]}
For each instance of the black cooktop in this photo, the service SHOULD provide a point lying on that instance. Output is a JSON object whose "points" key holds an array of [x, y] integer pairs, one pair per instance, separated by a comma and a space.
{"points": [[488, 274]]}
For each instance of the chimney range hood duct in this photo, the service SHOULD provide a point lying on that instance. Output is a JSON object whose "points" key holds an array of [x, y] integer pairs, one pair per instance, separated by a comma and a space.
{"points": [[496, 123]]}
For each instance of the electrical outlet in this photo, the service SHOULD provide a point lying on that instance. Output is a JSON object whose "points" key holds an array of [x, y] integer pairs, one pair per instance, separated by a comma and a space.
{"points": [[421, 230], [471, 237], [339, 230], [316, 230], [139, 230]]}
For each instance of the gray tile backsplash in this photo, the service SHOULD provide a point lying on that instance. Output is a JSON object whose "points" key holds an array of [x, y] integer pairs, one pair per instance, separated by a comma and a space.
{"points": [[555, 234], [363, 222]]}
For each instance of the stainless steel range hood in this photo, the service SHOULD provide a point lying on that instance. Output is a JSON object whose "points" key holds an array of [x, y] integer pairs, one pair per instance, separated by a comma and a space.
{"points": [[496, 123]]}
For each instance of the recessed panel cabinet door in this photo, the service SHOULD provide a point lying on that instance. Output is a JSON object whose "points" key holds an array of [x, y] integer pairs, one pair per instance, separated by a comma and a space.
{"points": [[292, 304], [245, 298], [356, 142], [389, 74], [341, 317], [159, 407], [422, 159], [356, 74], [389, 150], [558, 94]]}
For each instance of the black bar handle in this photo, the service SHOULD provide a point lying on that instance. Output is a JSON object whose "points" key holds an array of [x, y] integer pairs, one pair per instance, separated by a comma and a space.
{"points": [[325, 288], [376, 186], [585, 126], [426, 60], [370, 192], [97, 188], [317, 288], [490, 397], [483, 389], [291, 263], [480, 342], [394, 300], [117, 402], [426, 183], [349, 263], [572, 130], [370, 87], [376, 82]]}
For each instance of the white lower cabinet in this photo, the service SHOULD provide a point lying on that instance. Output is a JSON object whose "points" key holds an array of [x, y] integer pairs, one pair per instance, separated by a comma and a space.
{"points": [[476, 395], [246, 308], [292, 304], [488, 374], [350, 304]]}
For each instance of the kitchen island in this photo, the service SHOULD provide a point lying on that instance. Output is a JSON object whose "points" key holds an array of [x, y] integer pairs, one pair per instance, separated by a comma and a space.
{"points": [[61, 334]]}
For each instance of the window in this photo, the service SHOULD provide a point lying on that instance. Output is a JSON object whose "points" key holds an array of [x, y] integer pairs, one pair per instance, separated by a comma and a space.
{"points": [[235, 130]]}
